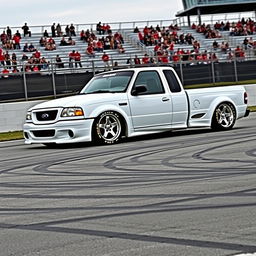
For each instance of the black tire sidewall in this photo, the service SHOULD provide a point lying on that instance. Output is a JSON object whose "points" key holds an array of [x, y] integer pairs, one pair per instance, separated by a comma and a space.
{"points": [[98, 138]]}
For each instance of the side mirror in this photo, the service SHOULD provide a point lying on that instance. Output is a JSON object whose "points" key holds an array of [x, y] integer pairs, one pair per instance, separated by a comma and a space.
{"points": [[139, 89]]}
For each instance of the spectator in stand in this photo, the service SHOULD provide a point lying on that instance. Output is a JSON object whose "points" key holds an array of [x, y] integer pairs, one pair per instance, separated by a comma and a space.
{"points": [[90, 51], [31, 48], [99, 46], [58, 30], [50, 44], [18, 34], [120, 48], [26, 30], [136, 60], [37, 54], [43, 63], [71, 41], [45, 34], [9, 32], [105, 59], [215, 45], [3, 36], [59, 63], [72, 30], [5, 72], [42, 41], [2, 58], [16, 41], [53, 29], [25, 48], [213, 57], [145, 59], [63, 41], [72, 56], [83, 36], [67, 30], [7, 60], [24, 57], [239, 54], [164, 58], [99, 28], [78, 59]]}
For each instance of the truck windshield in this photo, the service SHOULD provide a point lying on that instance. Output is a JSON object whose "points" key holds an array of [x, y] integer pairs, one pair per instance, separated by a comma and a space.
{"points": [[108, 82]]}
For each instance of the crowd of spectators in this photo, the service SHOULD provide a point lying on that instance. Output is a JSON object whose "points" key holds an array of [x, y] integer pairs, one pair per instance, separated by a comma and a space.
{"points": [[206, 30]]}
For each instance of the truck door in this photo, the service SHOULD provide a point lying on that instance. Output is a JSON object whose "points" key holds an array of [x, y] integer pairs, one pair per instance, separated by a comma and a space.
{"points": [[179, 100], [150, 110]]}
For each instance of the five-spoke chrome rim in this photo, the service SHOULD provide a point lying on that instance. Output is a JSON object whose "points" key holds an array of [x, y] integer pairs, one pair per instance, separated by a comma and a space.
{"points": [[224, 115], [109, 127]]}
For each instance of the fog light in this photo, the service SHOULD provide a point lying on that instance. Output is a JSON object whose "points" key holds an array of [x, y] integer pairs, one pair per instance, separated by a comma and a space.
{"points": [[26, 135]]}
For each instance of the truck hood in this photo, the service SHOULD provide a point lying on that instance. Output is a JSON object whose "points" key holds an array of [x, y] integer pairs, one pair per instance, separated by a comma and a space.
{"points": [[81, 100]]}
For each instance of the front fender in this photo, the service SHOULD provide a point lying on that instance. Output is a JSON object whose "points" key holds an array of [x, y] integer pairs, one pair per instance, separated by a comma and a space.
{"points": [[124, 111]]}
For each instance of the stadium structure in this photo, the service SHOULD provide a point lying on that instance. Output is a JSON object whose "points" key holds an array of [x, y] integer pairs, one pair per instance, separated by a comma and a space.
{"points": [[200, 61], [204, 7]]}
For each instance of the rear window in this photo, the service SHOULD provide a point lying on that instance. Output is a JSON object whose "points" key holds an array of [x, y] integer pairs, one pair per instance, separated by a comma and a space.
{"points": [[173, 82]]}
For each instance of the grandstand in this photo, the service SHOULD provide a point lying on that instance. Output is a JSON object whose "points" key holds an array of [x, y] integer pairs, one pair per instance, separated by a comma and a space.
{"points": [[193, 49]]}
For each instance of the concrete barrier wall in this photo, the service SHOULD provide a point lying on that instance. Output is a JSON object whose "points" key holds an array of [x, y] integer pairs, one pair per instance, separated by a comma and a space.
{"points": [[12, 115]]}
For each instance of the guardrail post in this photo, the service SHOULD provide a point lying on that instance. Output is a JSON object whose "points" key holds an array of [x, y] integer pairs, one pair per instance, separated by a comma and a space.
{"points": [[53, 81], [181, 74], [235, 69], [25, 82], [93, 68], [213, 74]]}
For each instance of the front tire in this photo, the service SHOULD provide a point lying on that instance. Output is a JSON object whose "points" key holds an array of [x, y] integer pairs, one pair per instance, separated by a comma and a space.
{"points": [[224, 117], [108, 128]]}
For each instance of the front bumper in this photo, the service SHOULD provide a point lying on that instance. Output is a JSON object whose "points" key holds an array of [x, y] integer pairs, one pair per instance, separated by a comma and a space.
{"points": [[71, 131]]}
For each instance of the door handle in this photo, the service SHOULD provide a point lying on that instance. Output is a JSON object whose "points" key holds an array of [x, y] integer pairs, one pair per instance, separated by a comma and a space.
{"points": [[165, 99]]}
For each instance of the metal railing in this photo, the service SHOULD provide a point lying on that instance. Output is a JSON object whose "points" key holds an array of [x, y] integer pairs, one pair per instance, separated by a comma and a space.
{"points": [[53, 81]]}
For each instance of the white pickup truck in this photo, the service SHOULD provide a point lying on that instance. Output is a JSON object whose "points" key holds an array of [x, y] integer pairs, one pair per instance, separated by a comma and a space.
{"points": [[131, 102]]}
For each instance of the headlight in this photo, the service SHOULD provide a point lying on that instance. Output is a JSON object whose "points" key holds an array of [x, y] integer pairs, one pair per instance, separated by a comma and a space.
{"points": [[70, 112], [28, 116]]}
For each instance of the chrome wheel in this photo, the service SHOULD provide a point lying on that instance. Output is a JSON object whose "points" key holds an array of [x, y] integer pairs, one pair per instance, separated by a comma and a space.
{"points": [[224, 117], [108, 127]]}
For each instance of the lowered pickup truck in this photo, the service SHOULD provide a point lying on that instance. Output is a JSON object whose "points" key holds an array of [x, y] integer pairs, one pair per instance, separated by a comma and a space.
{"points": [[131, 102]]}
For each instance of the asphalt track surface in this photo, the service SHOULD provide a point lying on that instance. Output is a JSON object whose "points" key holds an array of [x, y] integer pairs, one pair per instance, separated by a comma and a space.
{"points": [[181, 193]]}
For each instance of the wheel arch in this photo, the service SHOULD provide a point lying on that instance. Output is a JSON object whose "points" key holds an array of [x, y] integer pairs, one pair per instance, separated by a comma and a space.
{"points": [[122, 114], [219, 101]]}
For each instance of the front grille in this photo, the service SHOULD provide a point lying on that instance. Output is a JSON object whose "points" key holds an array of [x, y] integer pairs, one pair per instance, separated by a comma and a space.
{"points": [[47, 115], [44, 133]]}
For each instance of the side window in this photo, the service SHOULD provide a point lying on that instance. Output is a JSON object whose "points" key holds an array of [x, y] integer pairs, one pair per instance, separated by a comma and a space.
{"points": [[173, 83], [152, 80]]}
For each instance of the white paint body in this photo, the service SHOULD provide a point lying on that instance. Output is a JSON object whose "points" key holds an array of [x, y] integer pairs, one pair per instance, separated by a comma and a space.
{"points": [[143, 114]]}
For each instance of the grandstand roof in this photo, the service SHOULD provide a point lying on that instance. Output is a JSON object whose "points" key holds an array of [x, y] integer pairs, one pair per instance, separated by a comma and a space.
{"points": [[216, 6]]}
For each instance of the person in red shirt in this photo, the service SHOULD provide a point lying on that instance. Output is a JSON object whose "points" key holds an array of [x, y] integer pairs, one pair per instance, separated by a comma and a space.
{"points": [[78, 59], [145, 59], [37, 54], [105, 59], [5, 72], [71, 58], [99, 46], [90, 51], [16, 40]]}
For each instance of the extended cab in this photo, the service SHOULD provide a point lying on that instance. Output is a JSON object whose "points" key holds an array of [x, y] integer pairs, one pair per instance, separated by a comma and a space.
{"points": [[130, 102]]}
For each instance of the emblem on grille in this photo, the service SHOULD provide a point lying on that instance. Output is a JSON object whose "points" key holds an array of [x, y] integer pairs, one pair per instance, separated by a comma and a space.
{"points": [[45, 116]]}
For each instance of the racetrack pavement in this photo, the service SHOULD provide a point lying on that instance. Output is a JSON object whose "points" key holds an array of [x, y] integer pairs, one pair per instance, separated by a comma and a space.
{"points": [[178, 193]]}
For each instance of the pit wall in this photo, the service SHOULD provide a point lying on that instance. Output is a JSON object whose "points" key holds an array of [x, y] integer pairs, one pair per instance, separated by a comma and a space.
{"points": [[12, 115]]}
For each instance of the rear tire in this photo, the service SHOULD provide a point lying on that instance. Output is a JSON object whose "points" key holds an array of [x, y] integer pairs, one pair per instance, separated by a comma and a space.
{"points": [[224, 117], [108, 128]]}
